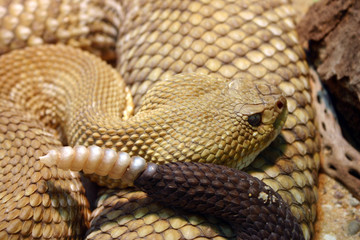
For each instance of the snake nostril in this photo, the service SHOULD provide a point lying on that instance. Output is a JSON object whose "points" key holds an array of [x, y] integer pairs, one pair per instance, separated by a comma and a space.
{"points": [[280, 104]]}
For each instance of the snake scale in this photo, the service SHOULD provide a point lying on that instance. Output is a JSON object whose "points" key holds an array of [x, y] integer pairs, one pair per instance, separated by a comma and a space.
{"points": [[215, 41]]}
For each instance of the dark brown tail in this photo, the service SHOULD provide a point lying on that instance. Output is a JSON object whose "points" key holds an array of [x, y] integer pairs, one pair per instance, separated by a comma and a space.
{"points": [[253, 208]]}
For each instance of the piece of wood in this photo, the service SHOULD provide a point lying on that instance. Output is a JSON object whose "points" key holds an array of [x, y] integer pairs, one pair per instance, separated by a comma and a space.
{"points": [[332, 29]]}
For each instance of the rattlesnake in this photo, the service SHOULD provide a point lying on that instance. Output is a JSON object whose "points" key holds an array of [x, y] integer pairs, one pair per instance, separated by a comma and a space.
{"points": [[152, 40]]}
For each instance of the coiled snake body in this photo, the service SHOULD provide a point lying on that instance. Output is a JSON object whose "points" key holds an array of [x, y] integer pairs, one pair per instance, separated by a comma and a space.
{"points": [[44, 100]]}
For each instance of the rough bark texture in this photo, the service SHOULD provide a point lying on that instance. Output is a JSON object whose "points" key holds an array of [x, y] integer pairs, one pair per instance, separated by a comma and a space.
{"points": [[332, 29], [340, 159]]}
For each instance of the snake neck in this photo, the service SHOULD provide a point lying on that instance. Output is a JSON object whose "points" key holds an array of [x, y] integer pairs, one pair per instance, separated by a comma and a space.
{"points": [[170, 133]]}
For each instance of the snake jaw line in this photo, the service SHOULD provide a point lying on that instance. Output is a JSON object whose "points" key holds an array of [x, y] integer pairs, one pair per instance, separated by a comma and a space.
{"points": [[93, 159]]}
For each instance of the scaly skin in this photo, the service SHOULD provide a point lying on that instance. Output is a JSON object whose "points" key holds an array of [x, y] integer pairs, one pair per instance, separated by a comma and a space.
{"points": [[244, 39], [257, 212], [209, 117]]}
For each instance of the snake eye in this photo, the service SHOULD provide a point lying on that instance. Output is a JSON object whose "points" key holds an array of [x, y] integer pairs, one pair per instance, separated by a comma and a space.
{"points": [[255, 119]]}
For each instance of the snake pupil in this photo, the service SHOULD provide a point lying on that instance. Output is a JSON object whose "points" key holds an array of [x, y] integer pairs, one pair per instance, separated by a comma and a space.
{"points": [[255, 119]]}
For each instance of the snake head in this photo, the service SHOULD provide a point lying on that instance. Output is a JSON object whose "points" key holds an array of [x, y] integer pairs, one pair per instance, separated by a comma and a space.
{"points": [[260, 110]]}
